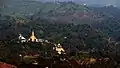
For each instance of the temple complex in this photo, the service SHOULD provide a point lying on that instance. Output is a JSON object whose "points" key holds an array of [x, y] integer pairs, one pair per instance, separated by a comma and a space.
{"points": [[57, 47]]}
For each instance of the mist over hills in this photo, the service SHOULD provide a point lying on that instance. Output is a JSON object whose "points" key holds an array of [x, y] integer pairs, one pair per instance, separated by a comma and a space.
{"points": [[64, 13], [90, 2]]}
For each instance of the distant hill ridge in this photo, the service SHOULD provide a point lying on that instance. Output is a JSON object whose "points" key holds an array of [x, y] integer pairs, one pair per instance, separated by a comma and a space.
{"points": [[64, 12]]}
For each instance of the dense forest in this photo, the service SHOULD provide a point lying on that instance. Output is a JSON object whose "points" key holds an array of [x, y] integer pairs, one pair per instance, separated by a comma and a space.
{"points": [[78, 28]]}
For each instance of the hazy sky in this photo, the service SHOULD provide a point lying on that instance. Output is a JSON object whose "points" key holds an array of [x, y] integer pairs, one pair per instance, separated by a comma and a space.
{"points": [[101, 2]]}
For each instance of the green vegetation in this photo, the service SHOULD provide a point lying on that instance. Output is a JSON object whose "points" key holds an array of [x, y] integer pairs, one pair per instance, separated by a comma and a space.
{"points": [[82, 31]]}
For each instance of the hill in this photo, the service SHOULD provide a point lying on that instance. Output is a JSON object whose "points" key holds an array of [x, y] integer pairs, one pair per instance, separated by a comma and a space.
{"points": [[63, 12], [111, 23]]}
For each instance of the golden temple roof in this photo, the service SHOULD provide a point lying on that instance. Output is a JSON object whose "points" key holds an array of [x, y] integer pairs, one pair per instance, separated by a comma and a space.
{"points": [[32, 37], [59, 49]]}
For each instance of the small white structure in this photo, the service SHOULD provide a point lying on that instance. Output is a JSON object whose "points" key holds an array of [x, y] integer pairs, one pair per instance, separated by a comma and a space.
{"points": [[40, 40], [46, 67], [35, 63], [21, 38], [46, 41]]}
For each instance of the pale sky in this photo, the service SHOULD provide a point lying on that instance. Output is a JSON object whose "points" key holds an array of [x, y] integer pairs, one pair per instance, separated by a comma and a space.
{"points": [[102, 2], [98, 2]]}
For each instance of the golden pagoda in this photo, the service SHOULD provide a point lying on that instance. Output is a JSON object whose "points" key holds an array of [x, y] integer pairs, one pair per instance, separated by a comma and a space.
{"points": [[32, 37], [59, 49]]}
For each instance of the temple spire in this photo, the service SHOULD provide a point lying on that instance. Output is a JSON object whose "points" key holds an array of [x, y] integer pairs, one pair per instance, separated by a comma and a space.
{"points": [[33, 37], [33, 34]]}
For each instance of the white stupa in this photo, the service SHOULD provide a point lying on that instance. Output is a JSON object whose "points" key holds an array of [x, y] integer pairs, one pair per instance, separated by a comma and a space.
{"points": [[21, 38]]}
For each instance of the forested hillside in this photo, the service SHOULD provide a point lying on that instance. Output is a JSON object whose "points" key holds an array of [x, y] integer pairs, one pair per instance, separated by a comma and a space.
{"points": [[83, 31], [53, 21]]}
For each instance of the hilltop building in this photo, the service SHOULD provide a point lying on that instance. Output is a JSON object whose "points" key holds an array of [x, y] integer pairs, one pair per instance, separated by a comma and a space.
{"points": [[33, 37], [21, 38], [59, 49]]}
